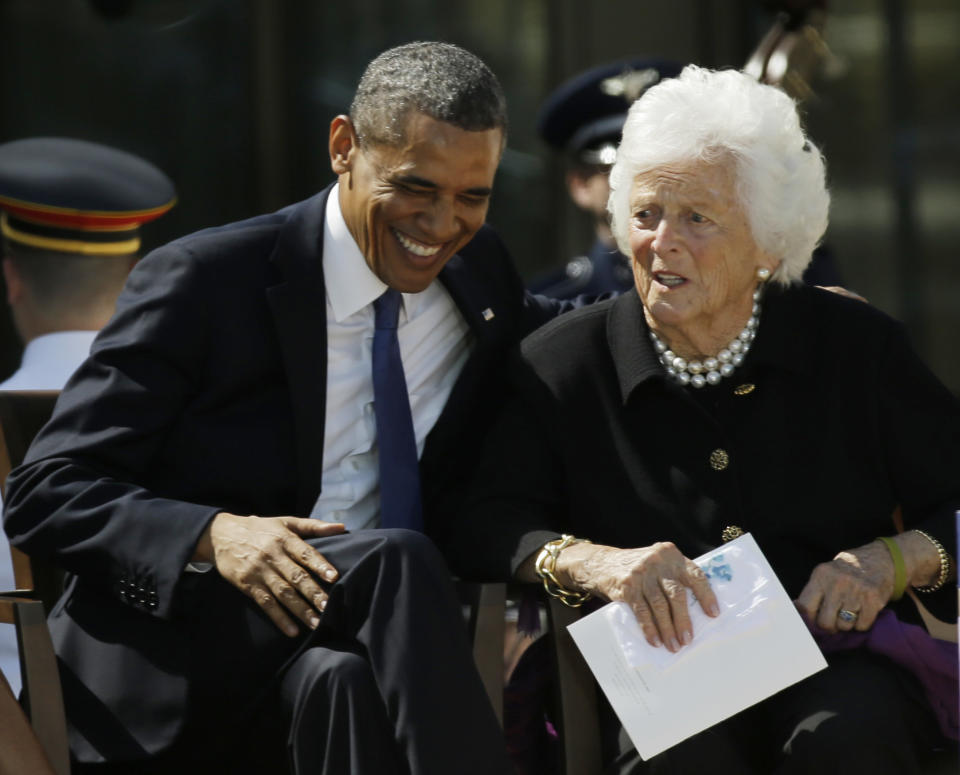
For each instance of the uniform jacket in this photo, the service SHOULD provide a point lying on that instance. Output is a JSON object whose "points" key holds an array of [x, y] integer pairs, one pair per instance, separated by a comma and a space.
{"points": [[829, 424], [205, 393], [603, 270]]}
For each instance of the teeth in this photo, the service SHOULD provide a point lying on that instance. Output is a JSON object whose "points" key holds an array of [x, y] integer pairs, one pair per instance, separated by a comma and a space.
{"points": [[670, 280], [415, 247]]}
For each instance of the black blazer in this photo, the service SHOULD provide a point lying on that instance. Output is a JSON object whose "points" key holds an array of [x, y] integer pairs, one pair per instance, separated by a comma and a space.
{"points": [[206, 393], [836, 423]]}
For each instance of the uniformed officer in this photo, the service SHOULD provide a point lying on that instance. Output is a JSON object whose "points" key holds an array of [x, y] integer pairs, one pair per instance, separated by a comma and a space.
{"points": [[583, 119], [70, 216]]}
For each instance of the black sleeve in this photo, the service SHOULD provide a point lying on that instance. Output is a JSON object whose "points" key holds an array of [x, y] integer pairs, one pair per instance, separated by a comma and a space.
{"points": [[79, 495], [512, 506], [920, 419]]}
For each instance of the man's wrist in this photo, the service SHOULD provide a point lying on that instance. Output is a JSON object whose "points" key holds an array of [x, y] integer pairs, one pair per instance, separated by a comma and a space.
{"points": [[203, 551]]}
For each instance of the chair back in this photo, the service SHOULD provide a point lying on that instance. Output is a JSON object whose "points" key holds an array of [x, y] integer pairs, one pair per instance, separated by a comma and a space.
{"points": [[22, 414]]}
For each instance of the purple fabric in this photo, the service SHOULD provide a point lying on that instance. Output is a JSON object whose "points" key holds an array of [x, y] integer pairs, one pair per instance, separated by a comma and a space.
{"points": [[932, 661]]}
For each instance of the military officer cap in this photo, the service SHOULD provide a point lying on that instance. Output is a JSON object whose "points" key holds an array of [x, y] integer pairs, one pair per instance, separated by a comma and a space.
{"points": [[72, 196], [584, 117]]}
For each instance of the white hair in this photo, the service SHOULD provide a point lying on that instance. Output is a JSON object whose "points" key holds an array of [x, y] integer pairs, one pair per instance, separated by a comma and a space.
{"points": [[717, 116]]}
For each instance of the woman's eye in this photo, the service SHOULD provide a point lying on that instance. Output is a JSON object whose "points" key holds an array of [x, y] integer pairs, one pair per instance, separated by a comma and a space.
{"points": [[697, 218]]}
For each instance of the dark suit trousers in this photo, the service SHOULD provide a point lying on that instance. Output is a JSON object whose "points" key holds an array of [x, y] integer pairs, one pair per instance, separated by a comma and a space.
{"points": [[386, 683]]}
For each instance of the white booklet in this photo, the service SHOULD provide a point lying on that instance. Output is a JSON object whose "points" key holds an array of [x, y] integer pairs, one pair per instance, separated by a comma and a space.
{"points": [[757, 646]]}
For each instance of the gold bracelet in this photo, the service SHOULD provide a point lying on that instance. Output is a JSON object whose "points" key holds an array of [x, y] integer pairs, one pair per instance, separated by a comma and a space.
{"points": [[546, 564], [945, 565]]}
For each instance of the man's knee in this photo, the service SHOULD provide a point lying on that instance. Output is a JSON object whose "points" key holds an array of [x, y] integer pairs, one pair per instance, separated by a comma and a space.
{"points": [[391, 542], [414, 545], [327, 671]]}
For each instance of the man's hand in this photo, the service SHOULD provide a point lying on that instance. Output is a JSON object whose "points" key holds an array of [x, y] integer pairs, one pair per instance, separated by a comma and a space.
{"points": [[267, 559]]}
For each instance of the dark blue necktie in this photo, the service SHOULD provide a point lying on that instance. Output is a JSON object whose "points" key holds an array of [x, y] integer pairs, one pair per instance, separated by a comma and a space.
{"points": [[399, 471]]}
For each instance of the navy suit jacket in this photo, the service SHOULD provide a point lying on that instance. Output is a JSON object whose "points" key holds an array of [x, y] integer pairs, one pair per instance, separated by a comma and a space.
{"points": [[205, 393]]}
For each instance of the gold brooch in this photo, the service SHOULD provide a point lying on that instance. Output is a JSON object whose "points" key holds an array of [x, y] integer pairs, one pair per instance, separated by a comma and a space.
{"points": [[730, 532]]}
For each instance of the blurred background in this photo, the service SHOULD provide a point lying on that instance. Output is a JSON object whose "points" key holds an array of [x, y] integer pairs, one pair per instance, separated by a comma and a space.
{"points": [[233, 98]]}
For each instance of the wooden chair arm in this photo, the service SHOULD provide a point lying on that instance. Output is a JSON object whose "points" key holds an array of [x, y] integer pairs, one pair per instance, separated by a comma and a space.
{"points": [[579, 717], [487, 627], [38, 665]]}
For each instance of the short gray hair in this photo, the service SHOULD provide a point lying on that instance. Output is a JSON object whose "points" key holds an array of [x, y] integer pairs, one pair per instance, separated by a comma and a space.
{"points": [[441, 80], [715, 116], [67, 284]]}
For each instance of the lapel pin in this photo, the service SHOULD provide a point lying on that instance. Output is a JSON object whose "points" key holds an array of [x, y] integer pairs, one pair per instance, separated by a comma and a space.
{"points": [[487, 314]]}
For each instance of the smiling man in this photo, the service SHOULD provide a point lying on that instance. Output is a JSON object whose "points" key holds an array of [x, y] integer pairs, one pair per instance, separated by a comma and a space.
{"points": [[238, 476]]}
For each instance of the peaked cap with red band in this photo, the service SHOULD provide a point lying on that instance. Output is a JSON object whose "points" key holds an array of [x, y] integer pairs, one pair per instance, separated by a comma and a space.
{"points": [[74, 196]]}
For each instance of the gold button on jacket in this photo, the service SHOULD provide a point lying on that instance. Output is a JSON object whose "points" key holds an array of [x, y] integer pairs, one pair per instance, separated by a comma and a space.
{"points": [[719, 459]]}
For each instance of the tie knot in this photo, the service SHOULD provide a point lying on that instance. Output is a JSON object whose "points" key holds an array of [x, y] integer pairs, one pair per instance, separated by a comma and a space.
{"points": [[387, 309]]}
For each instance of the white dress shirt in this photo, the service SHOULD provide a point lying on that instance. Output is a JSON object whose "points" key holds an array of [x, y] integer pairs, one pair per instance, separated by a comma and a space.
{"points": [[435, 342], [49, 360], [47, 363]]}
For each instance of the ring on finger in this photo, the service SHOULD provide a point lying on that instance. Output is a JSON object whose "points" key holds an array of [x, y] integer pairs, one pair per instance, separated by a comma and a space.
{"points": [[846, 615]]}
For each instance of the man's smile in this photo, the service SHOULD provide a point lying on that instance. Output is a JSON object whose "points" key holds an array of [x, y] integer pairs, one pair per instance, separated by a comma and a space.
{"points": [[415, 247]]}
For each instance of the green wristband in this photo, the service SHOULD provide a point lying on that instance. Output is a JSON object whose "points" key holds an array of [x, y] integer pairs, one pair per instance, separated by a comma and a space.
{"points": [[899, 568]]}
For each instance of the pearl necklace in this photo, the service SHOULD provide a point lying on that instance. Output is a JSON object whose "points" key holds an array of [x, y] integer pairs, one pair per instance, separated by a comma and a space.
{"points": [[710, 371]]}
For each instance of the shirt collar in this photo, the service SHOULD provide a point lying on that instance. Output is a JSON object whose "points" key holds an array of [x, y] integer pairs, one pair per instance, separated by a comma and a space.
{"points": [[637, 362], [58, 344], [781, 342], [629, 342], [351, 284]]}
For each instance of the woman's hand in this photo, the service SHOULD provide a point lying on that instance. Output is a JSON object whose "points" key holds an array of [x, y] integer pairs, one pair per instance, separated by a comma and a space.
{"points": [[860, 582], [653, 580]]}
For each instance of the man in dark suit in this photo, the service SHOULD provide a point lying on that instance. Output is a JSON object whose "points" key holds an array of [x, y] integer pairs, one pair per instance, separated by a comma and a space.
{"points": [[231, 399]]}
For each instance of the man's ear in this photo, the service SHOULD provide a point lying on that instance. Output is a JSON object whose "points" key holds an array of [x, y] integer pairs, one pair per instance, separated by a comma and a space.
{"points": [[343, 144], [14, 282]]}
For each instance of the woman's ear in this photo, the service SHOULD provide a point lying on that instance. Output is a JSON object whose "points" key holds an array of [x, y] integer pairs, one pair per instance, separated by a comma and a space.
{"points": [[769, 263]]}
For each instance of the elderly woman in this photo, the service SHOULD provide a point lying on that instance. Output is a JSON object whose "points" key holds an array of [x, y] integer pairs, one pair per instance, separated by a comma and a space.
{"points": [[722, 396]]}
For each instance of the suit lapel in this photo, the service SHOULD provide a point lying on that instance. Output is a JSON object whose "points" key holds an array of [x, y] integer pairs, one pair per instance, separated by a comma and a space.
{"points": [[490, 318], [299, 309], [481, 307]]}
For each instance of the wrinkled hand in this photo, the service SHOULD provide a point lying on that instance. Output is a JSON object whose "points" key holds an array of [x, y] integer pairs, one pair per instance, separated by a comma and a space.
{"points": [[653, 580], [267, 559], [859, 580]]}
